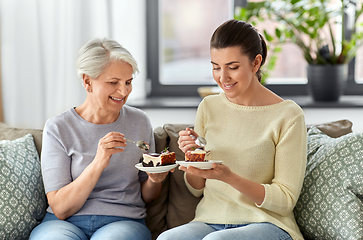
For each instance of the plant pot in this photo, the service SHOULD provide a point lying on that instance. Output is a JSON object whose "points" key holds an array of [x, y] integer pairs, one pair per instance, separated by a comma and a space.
{"points": [[326, 83]]}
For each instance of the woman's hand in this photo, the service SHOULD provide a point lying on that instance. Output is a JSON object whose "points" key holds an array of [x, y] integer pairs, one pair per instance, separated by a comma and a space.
{"points": [[158, 177], [185, 141], [151, 188], [218, 172], [110, 144], [254, 191]]}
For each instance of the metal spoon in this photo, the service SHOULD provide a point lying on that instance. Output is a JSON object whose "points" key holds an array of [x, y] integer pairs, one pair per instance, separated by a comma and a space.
{"points": [[200, 141], [140, 144]]}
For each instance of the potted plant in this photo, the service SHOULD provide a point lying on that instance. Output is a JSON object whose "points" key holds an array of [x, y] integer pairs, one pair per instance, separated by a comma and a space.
{"points": [[312, 26]]}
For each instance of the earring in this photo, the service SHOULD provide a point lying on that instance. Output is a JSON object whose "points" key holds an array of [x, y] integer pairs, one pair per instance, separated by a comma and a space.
{"points": [[89, 90]]}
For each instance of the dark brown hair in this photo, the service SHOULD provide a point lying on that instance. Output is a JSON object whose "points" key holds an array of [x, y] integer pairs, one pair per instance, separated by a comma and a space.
{"points": [[234, 33]]}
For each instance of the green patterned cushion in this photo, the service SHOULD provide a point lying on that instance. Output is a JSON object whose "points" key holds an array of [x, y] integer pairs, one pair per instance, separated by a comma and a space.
{"points": [[330, 206], [22, 198]]}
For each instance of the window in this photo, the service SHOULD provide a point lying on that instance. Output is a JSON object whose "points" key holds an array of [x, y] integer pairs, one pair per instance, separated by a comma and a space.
{"points": [[359, 66], [184, 48], [359, 59], [178, 33], [355, 78]]}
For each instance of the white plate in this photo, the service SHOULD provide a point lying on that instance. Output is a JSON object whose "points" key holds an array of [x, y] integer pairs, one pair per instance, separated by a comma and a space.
{"points": [[160, 169], [200, 165]]}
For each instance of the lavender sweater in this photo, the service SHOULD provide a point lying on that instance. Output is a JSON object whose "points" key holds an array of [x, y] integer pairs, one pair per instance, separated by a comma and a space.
{"points": [[70, 144]]}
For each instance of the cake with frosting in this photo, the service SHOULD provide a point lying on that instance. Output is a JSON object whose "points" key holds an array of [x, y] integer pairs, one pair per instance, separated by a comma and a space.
{"points": [[197, 155], [158, 159]]}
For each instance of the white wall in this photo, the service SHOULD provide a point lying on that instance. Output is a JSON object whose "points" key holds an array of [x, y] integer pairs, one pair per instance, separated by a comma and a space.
{"points": [[40, 40], [159, 117]]}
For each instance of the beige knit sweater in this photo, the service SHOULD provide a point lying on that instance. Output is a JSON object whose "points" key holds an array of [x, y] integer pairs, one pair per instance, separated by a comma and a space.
{"points": [[265, 144]]}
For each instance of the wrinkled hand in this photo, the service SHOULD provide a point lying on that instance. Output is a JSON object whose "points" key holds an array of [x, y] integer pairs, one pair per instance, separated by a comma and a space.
{"points": [[158, 177], [185, 141], [218, 171], [111, 143]]}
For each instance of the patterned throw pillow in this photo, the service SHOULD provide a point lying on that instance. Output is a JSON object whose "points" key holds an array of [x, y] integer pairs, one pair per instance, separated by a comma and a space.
{"points": [[22, 198], [330, 204]]}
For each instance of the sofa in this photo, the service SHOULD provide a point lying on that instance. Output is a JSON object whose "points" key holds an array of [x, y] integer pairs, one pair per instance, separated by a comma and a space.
{"points": [[329, 206]]}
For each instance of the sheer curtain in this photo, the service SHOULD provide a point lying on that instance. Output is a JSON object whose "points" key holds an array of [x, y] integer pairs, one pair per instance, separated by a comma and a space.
{"points": [[40, 40]]}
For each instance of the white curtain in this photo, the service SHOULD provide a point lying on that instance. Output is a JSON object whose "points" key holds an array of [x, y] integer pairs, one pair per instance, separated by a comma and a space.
{"points": [[40, 40]]}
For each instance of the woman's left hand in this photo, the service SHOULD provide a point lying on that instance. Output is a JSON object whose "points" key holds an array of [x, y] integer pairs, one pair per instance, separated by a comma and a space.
{"points": [[255, 191], [151, 188], [218, 171], [158, 177]]}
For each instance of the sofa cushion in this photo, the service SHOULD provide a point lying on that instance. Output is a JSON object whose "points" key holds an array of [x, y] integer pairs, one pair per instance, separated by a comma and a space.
{"points": [[330, 204], [22, 199], [10, 133], [334, 129]]}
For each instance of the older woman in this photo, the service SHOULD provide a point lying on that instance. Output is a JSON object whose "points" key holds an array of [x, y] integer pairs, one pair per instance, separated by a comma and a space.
{"points": [[94, 190]]}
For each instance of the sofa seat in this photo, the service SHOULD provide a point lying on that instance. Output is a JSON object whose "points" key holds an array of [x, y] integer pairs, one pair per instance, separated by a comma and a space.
{"points": [[176, 205]]}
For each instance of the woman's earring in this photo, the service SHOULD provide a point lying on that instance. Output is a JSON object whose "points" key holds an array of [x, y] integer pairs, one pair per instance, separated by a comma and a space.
{"points": [[89, 90]]}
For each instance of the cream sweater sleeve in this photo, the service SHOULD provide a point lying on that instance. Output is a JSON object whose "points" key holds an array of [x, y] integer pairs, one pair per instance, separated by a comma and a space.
{"points": [[199, 120], [290, 161], [195, 192]]}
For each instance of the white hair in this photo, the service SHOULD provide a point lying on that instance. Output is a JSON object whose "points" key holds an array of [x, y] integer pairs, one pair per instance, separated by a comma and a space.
{"points": [[97, 54]]}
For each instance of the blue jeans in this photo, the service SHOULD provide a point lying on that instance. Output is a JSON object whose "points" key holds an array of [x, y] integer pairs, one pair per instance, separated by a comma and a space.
{"points": [[93, 227], [204, 231]]}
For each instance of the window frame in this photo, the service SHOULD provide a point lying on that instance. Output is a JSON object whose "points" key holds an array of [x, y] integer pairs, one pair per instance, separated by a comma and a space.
{"points": [[156, 89]]}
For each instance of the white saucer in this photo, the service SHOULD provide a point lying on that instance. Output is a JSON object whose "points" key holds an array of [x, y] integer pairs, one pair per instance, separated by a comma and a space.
{"points": [[200, 165], [160, 169]]}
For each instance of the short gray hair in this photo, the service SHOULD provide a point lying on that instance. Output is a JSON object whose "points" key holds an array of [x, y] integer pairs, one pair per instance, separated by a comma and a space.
{"points": [[97, 54]]}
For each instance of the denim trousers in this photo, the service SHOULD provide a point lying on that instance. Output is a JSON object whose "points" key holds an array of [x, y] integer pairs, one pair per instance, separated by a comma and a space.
{"points": [[92, 227], [203, 231]]}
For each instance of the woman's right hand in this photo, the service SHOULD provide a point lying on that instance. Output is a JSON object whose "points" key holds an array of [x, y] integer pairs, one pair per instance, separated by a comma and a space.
{"points": [[185, 141], [111, 143]]}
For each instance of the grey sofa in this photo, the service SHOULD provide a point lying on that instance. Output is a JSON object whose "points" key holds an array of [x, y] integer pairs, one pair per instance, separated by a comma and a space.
{"points": [[175, 205]]}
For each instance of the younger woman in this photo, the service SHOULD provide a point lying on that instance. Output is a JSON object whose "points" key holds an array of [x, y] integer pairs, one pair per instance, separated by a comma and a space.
{"points": [[261, 139]]}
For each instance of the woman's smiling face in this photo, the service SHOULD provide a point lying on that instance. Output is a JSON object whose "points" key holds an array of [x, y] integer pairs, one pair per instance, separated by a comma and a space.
{"points": [[234, 72], [112, 88]]}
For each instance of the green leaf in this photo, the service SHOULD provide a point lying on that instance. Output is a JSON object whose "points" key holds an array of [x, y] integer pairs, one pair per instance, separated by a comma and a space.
{"points": [[166, 149], [277, 49], [267, 36]]}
